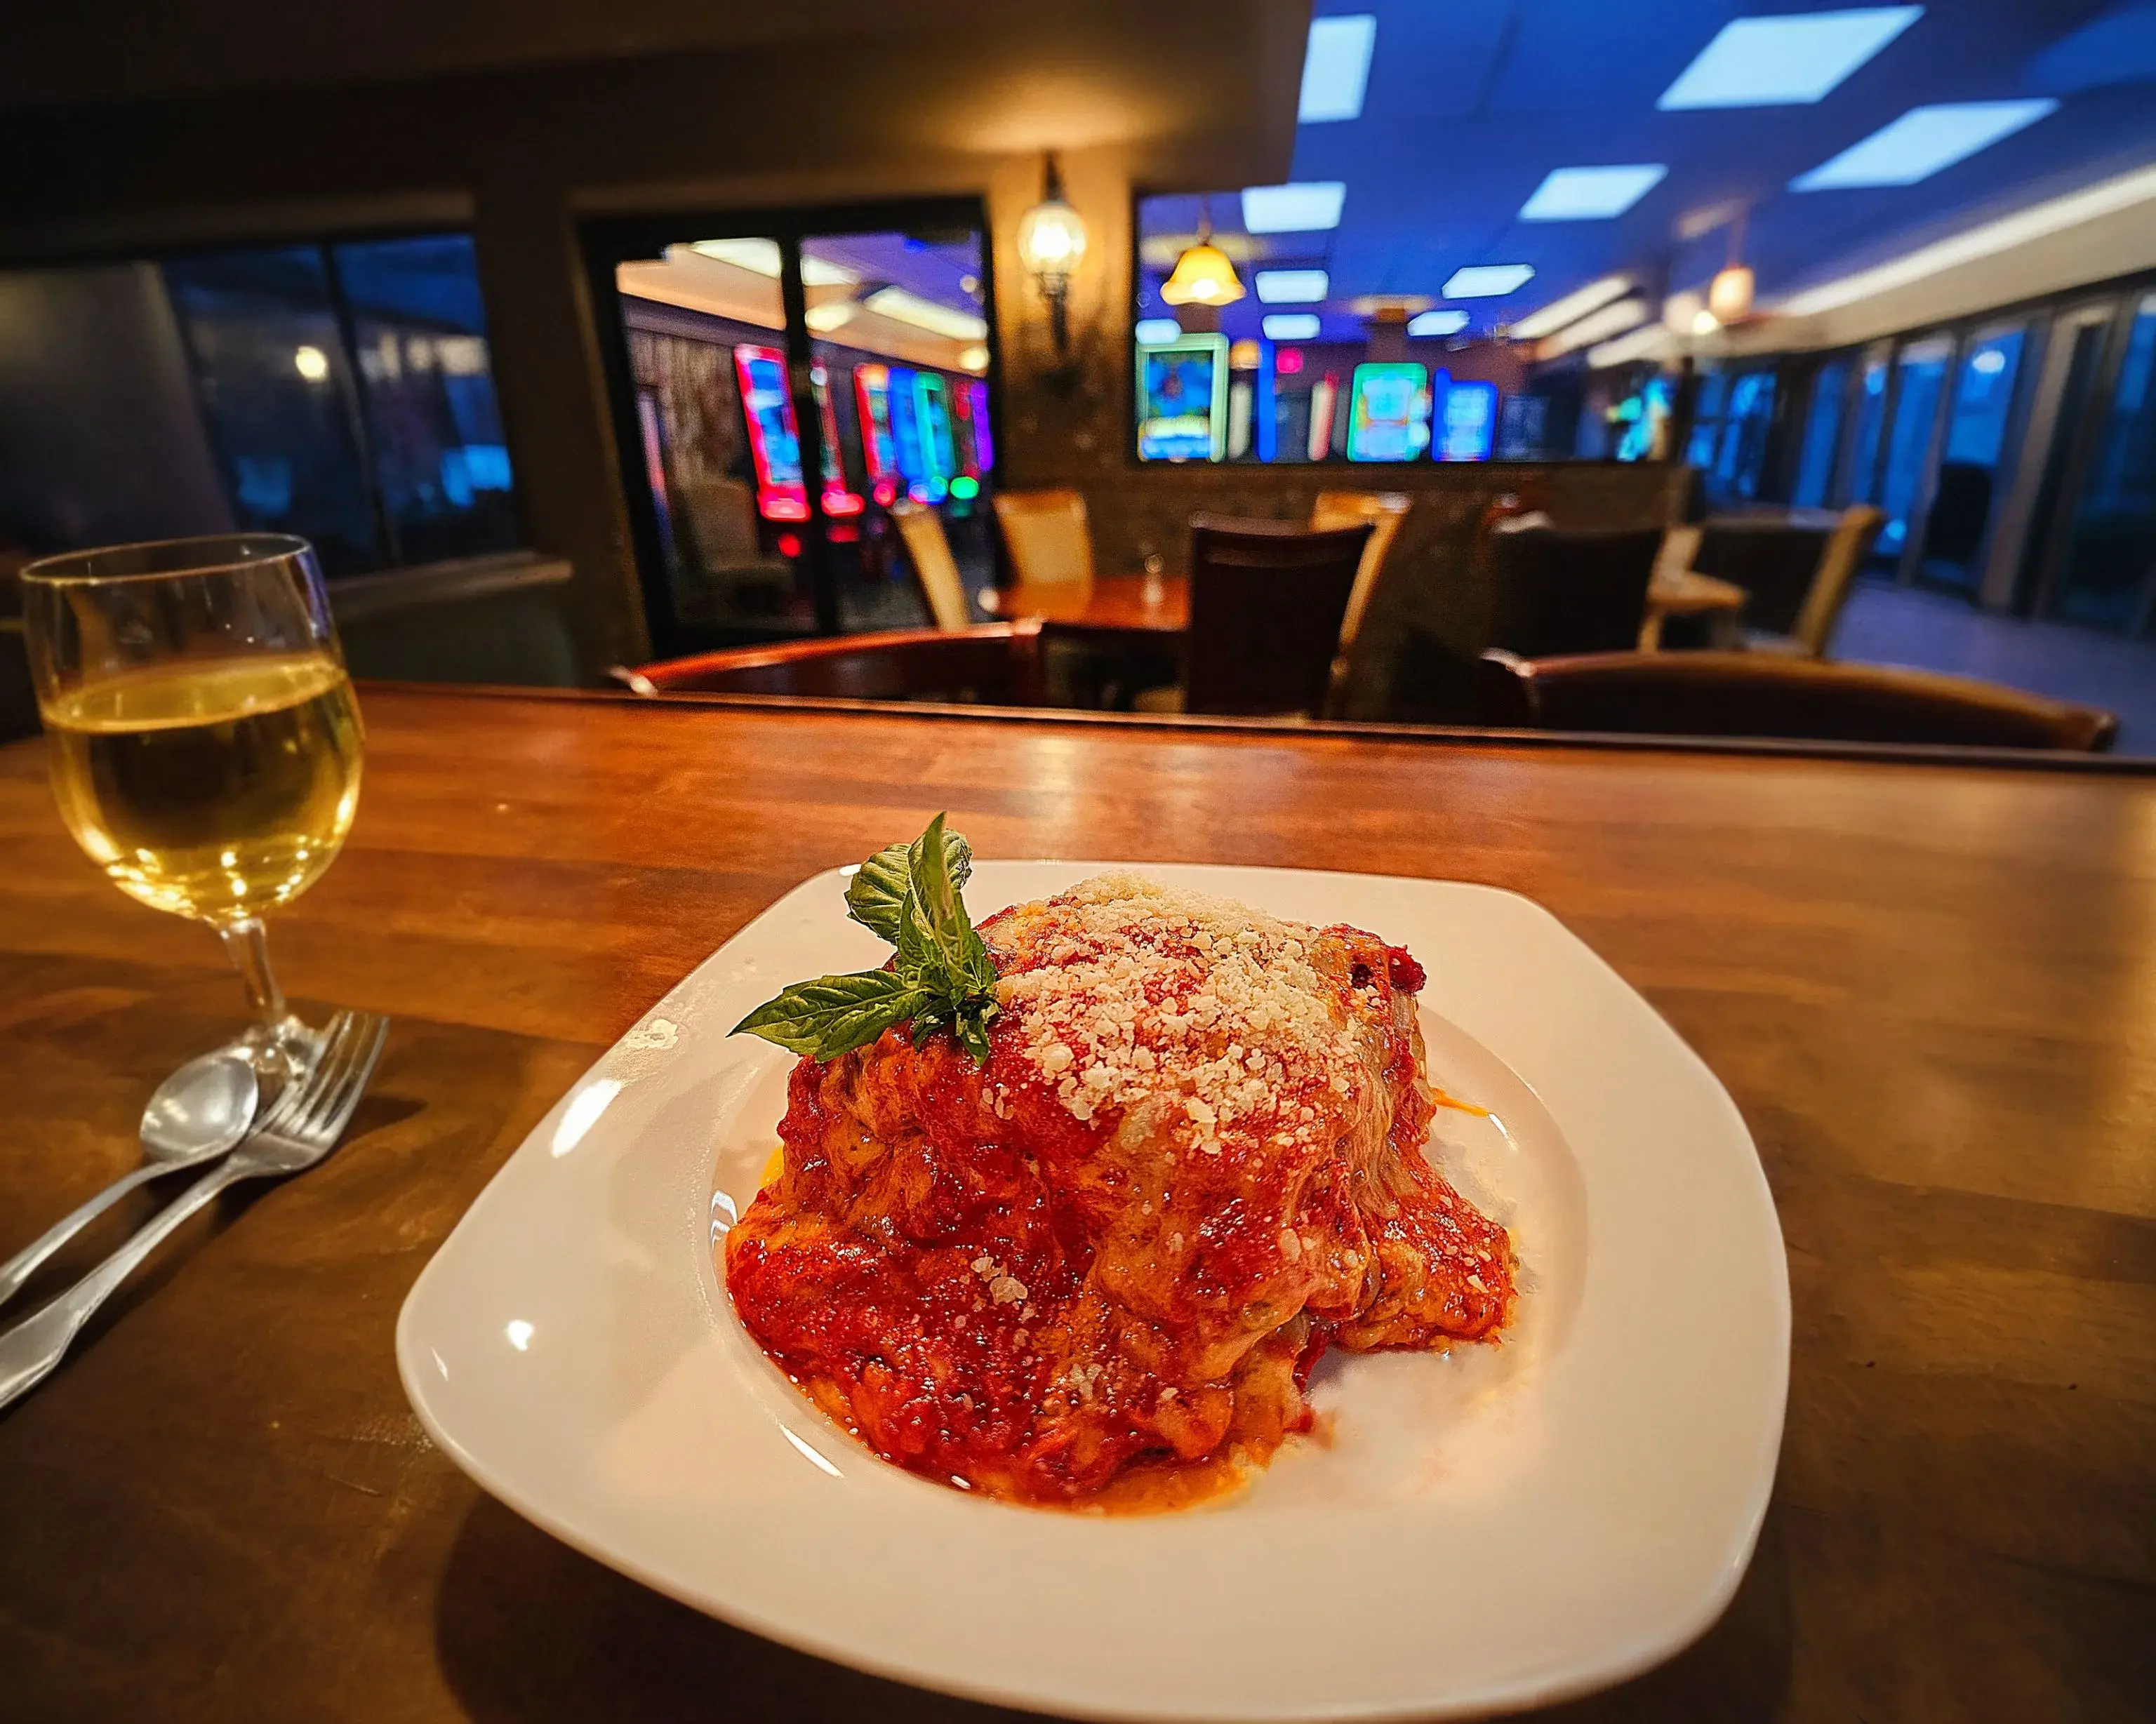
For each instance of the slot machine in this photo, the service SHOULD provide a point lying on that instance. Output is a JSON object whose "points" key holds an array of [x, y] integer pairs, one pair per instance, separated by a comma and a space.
{"points": [[879, 445], [906, 433], [839, 503], [932, 414], [774, 437]]}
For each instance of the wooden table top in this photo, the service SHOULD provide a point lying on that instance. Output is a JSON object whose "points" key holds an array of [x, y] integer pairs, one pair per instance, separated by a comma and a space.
{"points": [[1930, 989], [1116, 605]]}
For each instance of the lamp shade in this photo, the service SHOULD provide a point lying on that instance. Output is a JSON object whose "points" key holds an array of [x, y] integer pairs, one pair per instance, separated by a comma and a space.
{"points": [[1203, 276], [1729, 295], [1051, 240]]}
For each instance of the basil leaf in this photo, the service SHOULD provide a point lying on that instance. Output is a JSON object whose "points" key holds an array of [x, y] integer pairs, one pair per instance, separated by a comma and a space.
{"points": [[944, 977], [878, 888], [941, 912], [877, 893], [972, 1029], [836, 1014]]}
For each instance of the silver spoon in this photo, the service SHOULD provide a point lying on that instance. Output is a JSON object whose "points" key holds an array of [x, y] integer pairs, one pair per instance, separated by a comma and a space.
{"points": [[198, 1113]]}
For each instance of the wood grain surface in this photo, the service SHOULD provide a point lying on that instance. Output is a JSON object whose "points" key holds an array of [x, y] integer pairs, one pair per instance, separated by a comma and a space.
{"points": [[1932, 990], [1115, 605]]}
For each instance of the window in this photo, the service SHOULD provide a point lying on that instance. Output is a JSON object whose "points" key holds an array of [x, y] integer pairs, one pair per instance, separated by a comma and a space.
{"points": [[1822, 434], [2108, 577], [1920, 371], [341, 391], [1299, 368], [768, 448], [1965, 492], [1863, 467], [1731, 417]]}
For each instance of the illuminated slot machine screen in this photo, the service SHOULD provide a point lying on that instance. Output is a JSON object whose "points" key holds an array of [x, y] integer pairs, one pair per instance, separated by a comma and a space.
{"points": [[1467, 430], [966, 480], [906, 433], [1388, 411], [878, 448], [1183, 399], [774, 440], [976, 393], [932, 412], [839, 502]]}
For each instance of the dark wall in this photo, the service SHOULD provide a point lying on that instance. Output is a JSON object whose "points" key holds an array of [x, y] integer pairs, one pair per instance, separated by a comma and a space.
{"points": [[927, 99]]}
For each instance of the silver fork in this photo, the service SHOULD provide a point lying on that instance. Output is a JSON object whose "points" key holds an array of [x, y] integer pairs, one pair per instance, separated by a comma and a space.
{"points": [[301, 1127]]}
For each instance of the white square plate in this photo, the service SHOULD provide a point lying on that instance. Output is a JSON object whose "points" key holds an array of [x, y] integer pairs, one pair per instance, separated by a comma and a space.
{"points": [[1484, 1530]]}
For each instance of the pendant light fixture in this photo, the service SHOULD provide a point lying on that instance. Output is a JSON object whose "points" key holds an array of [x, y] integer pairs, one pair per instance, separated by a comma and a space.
{"points": [[1729, 295], [1203, 274]]}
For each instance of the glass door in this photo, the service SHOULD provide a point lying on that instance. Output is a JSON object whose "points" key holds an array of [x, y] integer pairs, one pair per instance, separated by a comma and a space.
{"points": [[2106, 574], [898, 357], [2059, 410], [777, 384], [1920, 374], [1964, 492], [1822, 434]]}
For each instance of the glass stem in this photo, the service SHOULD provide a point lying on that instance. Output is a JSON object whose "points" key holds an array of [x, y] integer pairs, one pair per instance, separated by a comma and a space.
{"points": [[247, 944]]}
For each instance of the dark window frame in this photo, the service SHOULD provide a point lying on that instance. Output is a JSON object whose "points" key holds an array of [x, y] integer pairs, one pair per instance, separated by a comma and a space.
{"points": [[605, 242]]}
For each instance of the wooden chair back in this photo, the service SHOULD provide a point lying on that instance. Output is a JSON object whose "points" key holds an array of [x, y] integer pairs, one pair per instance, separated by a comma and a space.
{"points": [[994, 664], [1556, 592], [1048, 535], [1764, 694], [936, 570], [1384, 511], [1846, 548], [1266, 601]]}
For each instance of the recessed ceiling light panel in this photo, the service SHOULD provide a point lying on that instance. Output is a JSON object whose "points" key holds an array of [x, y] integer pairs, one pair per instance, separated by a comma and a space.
{"points": [[1335, 68], [1449, 320], [1772, 62], [1923, 141], [1488, 281], [1291, 326], [1305, 207], [1590, 194], [1291, 287]]}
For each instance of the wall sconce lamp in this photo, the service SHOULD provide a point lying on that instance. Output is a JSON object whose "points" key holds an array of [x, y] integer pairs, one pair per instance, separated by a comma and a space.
{"points": [[1051, 240]]}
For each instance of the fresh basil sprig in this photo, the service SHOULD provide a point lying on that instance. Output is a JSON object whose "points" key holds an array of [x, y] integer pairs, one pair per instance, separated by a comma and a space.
{"points": [[944, 977]]}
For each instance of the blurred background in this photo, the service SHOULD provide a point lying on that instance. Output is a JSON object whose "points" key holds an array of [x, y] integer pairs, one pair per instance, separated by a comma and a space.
{"points": [[600, 336]]}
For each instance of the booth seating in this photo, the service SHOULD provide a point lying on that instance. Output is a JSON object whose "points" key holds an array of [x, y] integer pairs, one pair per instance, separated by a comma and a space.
{"points": [[1746, 694], [997, 664]]}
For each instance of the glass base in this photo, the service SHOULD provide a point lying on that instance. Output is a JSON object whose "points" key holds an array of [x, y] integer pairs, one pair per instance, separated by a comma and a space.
{"points": [[282, 1054]]}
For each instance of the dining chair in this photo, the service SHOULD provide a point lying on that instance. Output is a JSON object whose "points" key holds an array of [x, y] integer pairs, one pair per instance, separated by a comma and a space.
{"points": [[1558, 592], [1747, 694], [936, 570], [1839, 559], [1266, 601], [1383, 511], [994, 664], [1049, 538]]}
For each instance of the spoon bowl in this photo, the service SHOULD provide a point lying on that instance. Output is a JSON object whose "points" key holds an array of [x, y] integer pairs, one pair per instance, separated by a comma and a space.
{"points": [[202, 1109], [197, 1114]]}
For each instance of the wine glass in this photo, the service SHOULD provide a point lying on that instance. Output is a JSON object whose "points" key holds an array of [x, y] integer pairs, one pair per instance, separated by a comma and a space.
{"points": [[204, 742]]}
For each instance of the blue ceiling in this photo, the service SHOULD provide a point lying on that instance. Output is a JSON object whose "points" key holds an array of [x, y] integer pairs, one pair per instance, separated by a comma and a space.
{"points": [[1470, 103]]}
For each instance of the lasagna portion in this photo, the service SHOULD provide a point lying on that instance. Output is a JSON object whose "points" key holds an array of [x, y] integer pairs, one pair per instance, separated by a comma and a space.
{"points": [[1097, 1270]]}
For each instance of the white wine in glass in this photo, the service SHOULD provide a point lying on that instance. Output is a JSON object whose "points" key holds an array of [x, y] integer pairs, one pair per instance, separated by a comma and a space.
{"points": [[204, 742]]}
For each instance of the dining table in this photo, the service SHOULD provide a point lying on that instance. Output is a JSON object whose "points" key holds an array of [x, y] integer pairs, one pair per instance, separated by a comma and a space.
{"points": [[1928, 984], [1130, 610]]}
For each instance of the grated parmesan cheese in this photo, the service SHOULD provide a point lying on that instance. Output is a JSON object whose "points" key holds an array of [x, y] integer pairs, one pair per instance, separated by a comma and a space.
{"points": [[1124, 990]]}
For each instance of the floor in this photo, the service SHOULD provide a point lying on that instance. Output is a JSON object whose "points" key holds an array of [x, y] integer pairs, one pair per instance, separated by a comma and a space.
{"points": [[1892, 625]]}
